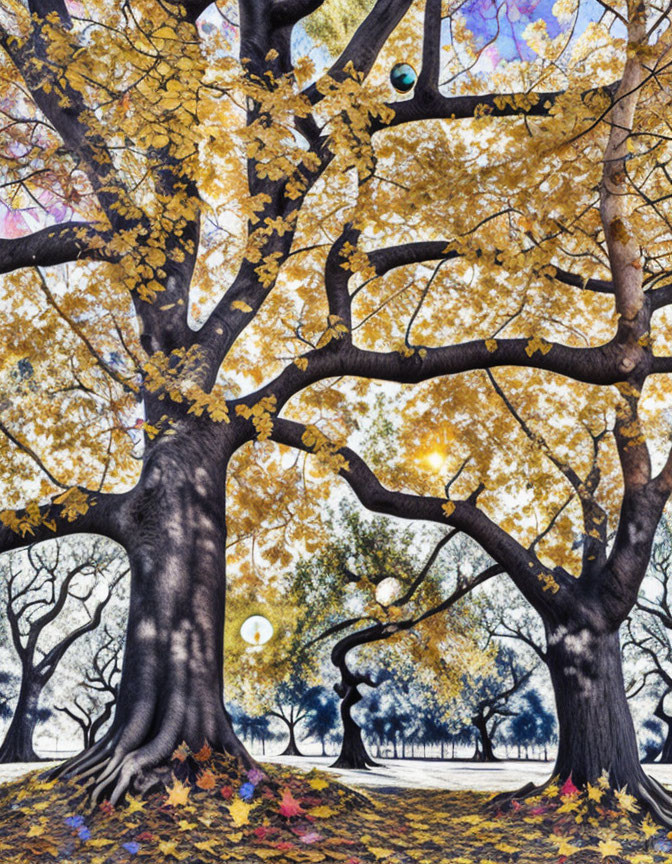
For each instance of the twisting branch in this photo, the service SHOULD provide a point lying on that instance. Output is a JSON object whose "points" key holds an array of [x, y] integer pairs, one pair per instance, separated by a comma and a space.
{"points": [[543, 589], [366, 43]]}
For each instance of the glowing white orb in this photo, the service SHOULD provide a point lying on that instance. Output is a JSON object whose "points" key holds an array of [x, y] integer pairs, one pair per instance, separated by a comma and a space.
{"points": [[256, 630], [435, 460], [387, 590]]}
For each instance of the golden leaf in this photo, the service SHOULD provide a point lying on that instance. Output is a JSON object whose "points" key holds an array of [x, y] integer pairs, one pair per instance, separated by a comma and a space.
{"points": [[73, 503], [448, 508], [240, 812], [178, 794], [609, 847], [134, 805], [241, 306]]}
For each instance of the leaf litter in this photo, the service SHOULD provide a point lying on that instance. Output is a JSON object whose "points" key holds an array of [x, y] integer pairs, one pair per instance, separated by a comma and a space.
{"points": [[214, 810]]}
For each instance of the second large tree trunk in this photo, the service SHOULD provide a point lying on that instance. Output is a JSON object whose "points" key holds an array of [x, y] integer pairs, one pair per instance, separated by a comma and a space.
{"points": [[596, 732]]}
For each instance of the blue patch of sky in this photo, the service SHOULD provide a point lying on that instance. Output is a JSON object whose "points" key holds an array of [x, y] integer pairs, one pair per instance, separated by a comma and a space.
{"points": [[500, 24]]}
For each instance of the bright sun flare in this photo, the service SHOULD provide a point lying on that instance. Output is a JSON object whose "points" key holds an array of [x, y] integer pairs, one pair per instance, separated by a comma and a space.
{"points": [[435, 460]]}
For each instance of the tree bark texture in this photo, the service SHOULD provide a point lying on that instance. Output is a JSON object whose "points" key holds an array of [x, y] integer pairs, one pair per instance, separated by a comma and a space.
{"points": [[596, 734], [171, 687]]}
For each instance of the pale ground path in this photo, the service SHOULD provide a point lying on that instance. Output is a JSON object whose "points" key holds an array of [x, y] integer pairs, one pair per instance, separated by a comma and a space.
{"points": [[408, 773]]}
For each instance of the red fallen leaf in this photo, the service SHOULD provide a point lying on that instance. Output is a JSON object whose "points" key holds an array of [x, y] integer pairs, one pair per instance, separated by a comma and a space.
{"points": [[206, 780], [284, 845], [516, 805], [227, 792], [568, 790], [260, 832], [106, 808], [147, 836], [353, 861], [204, 754], [289, 806], [538, 811]]}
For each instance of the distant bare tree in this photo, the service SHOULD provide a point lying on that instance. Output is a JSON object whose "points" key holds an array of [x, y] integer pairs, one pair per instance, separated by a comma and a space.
{"points": [[38, 590]]}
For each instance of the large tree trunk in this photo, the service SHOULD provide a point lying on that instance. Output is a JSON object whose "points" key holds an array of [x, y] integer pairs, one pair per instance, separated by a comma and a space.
{"points": [[596, 732], [18, 743], [171, 687]]}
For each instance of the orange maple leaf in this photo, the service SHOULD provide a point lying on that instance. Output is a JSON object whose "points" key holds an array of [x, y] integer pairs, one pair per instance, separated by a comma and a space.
{"points": [[204, 753], [289, 806], [206, 780]]}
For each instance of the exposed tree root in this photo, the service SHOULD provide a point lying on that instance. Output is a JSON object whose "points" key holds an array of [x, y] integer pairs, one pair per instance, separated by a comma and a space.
{"points": [[654, 799], [125, 760], [649, 794], [504, 800]]}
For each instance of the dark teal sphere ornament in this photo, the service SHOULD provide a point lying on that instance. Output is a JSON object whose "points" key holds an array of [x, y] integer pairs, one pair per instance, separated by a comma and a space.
{"points": [[403, 77]]}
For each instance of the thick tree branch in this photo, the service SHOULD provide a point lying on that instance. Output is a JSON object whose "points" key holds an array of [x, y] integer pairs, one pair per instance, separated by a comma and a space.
{"points": [[19, 528], [623, 248], [432, 105], [286, 13], [428, 79], [544, 589], [366, 43], [58, 244]]}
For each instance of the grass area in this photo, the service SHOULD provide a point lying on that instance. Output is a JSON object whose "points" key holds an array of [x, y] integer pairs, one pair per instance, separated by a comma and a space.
{"points": [[211, 810]]}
